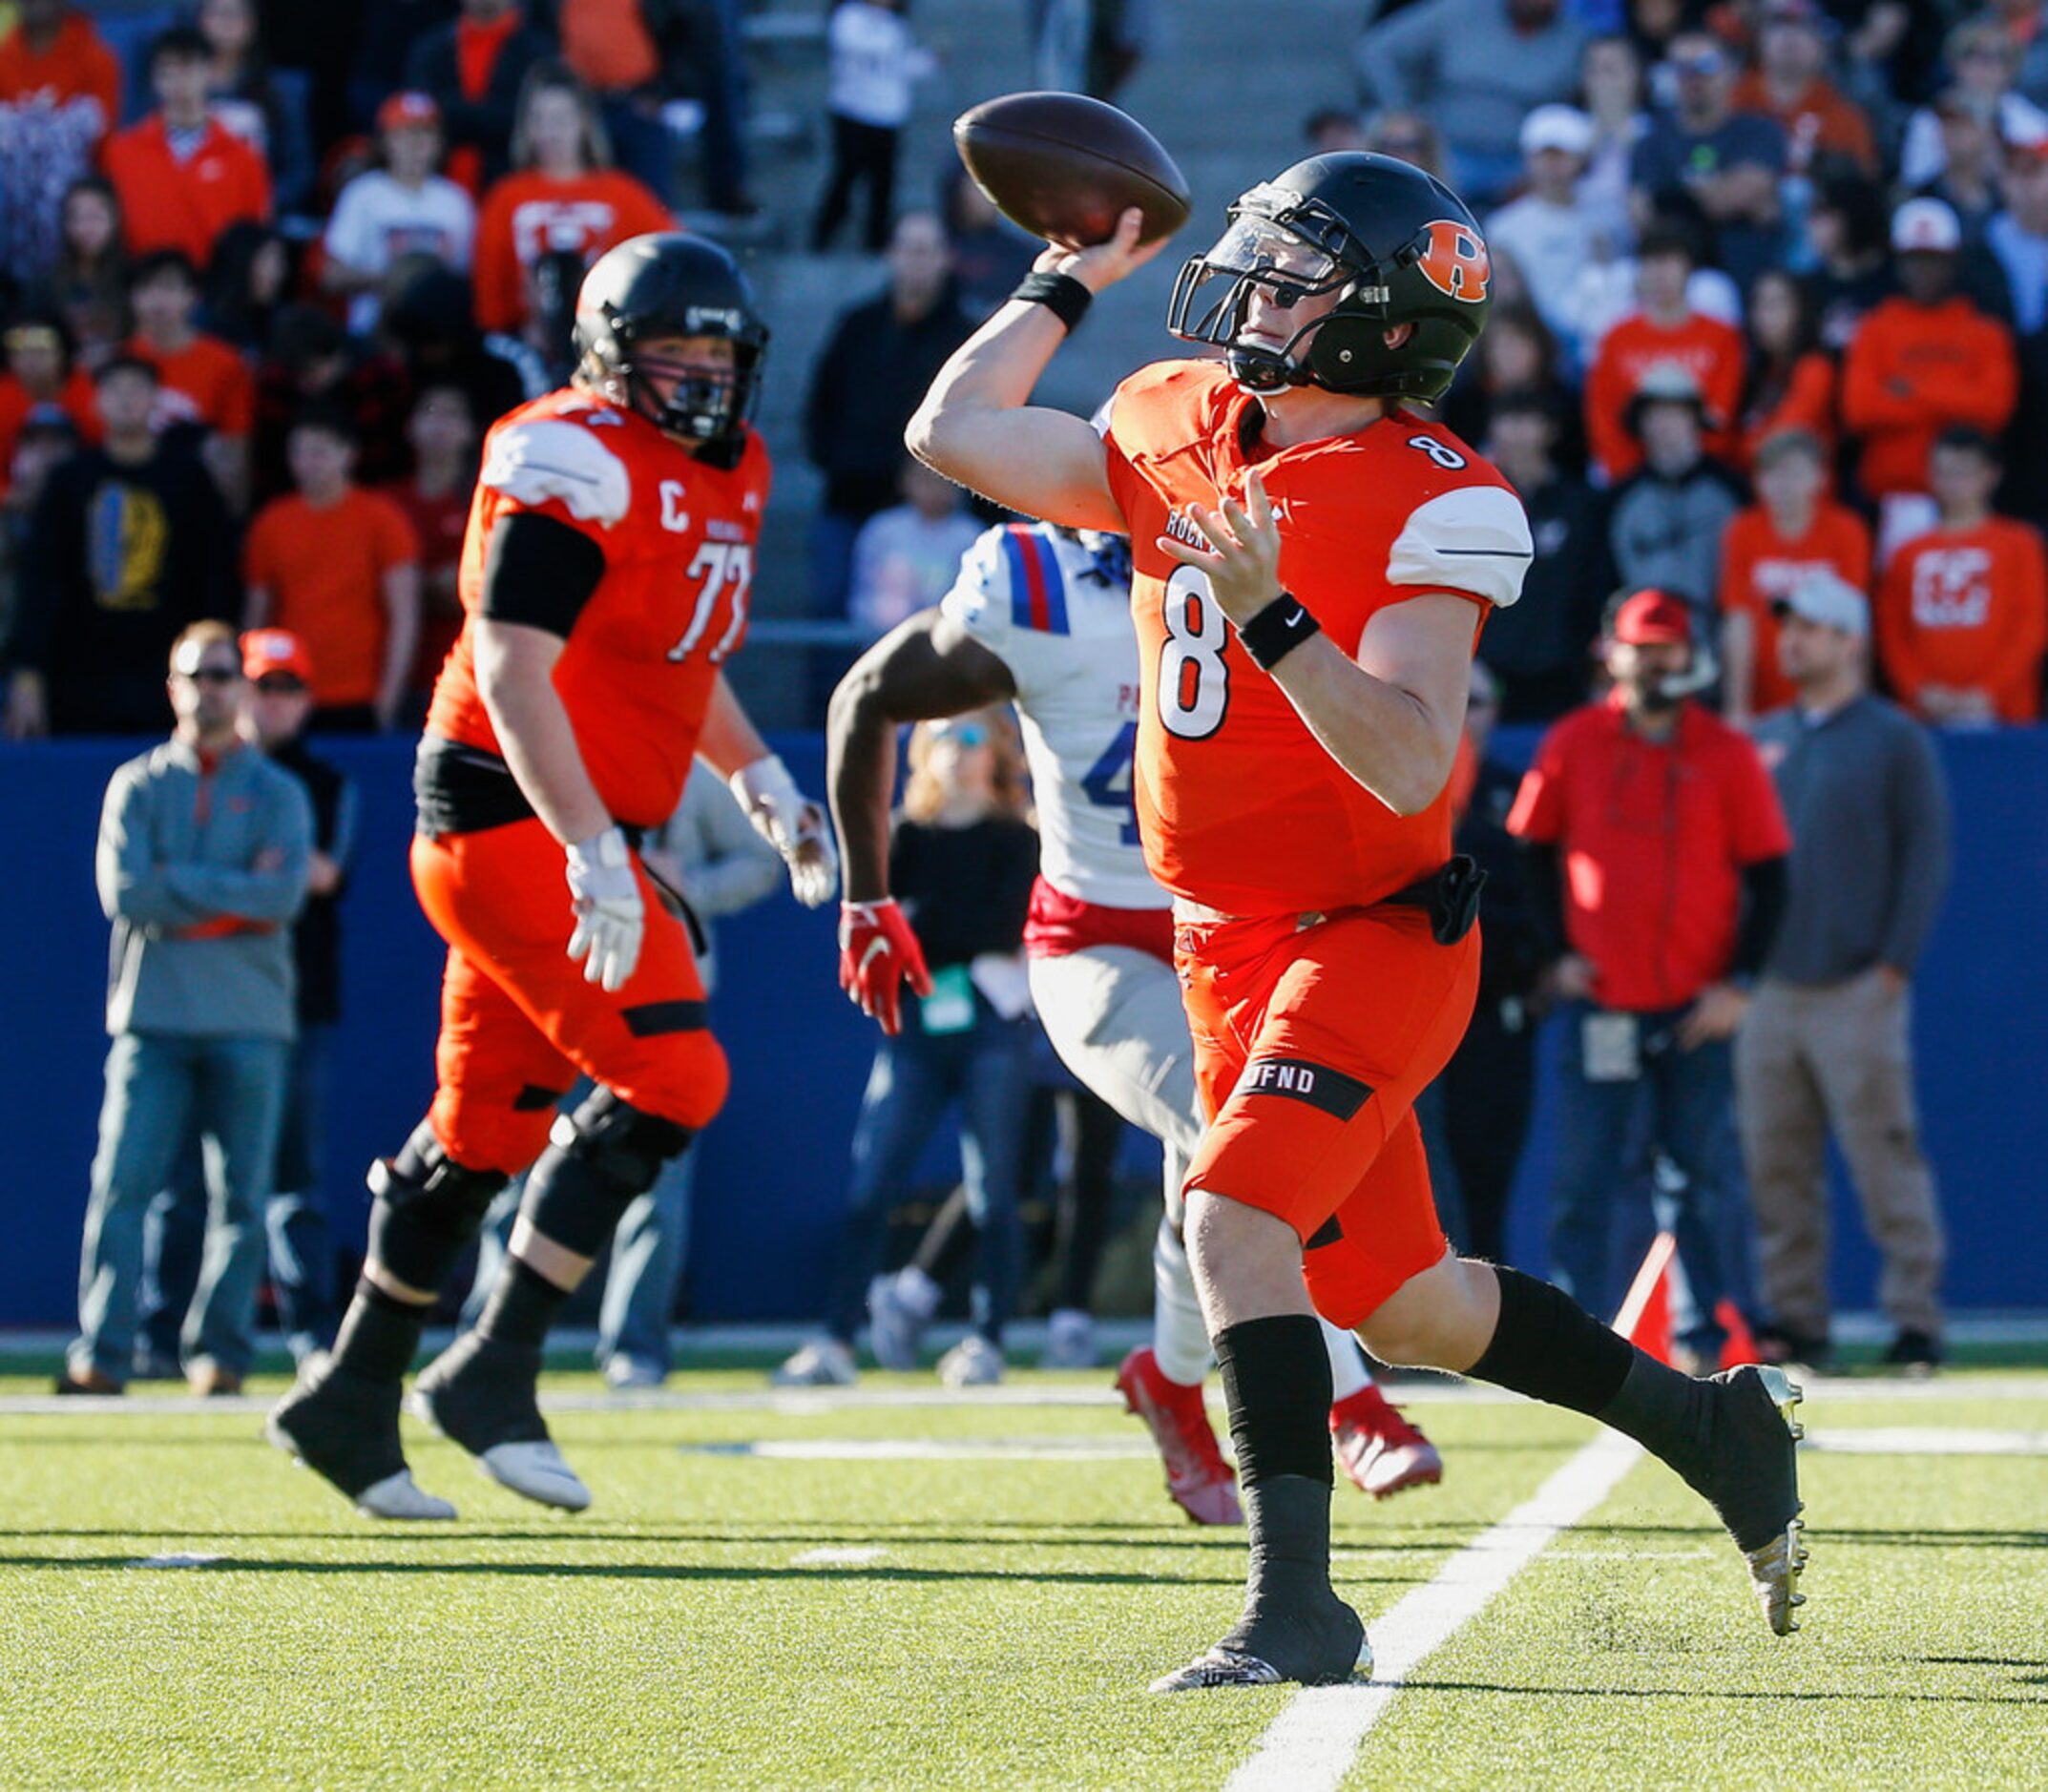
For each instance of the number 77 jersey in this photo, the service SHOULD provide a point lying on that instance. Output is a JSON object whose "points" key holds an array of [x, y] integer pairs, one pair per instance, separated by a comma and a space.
{"points": [[1242, 808], [640, 657]]}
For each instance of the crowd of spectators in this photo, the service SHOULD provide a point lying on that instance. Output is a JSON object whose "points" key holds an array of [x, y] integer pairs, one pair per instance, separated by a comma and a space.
{"points": [[1770, 319]]}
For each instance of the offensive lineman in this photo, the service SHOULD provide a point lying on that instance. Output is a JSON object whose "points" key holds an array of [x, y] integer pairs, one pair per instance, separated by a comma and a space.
{"points": [[604, 577], [1313, 566], [1041, 616]]}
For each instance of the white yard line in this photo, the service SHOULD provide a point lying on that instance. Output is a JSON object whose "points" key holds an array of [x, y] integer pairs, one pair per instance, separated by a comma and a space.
{"points": [[1917, 1440], [839, 1555], [1313, 1742]]}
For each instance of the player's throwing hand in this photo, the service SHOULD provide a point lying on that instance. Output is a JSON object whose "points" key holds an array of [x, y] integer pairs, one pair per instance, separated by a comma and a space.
{"points": [[611, 917], [1103, 263], [878, 953], [1244, 566]]}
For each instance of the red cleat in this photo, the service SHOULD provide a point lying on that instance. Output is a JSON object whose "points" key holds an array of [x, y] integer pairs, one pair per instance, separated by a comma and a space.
{"points": [[1378, 1448], [1202, 1483]]}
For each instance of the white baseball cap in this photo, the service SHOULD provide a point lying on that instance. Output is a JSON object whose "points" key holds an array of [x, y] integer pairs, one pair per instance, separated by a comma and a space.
{"points": [[1558, 128], [1926, 226], [1828, 599]]}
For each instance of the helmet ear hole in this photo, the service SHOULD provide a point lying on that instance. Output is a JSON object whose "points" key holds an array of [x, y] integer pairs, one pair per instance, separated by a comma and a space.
{"points": [[1397, 336]]}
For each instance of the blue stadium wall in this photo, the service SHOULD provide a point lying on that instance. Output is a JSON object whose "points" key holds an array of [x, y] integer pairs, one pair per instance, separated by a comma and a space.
{"points": [[771, 1180]]}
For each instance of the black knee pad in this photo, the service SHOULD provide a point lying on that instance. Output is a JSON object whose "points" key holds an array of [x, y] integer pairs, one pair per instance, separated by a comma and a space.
{"points": [[428, 1208], [598, 1158]]}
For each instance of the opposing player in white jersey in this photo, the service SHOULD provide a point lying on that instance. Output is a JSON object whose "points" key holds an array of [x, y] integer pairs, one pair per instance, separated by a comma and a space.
{"points": [[1041, 616]]}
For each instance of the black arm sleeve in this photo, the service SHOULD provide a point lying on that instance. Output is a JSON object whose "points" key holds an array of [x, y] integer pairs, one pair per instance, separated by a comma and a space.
{"points": [[1765, 886], [539, 572], [1546, 897]]}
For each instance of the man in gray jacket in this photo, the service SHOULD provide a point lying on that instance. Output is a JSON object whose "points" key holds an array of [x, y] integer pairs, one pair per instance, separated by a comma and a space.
{"points": [[1827, 1039], [202, 865]]}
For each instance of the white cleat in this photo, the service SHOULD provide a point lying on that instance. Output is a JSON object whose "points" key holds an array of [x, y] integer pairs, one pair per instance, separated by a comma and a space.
{"points": [[400, 1497], [1225, 1666], [823, 1363], [535, 1471]]}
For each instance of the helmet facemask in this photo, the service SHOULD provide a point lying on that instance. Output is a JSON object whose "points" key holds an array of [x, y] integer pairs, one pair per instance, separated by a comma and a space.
{"points": [[705, 405], [1258, 259]]}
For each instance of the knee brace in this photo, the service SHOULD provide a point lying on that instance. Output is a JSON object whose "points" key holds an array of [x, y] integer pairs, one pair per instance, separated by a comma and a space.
{"points": [[428, 1208], [598, 1159]]}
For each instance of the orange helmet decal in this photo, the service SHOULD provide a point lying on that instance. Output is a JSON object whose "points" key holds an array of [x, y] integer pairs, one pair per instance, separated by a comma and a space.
{"points": [[1455, 262]]}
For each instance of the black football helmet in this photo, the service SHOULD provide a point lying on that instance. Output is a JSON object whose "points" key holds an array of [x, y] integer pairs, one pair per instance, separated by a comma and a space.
{"points": [[1394, 245], [669, 284]]}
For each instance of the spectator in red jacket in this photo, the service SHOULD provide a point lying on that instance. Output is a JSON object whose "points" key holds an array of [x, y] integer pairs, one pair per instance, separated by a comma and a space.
{"points": [[1666, 331], [1921, 362], [1789, 83], [182, 176], [1962, 619], [473, 70], [1791, 380], [40, 373], [435, 498]]}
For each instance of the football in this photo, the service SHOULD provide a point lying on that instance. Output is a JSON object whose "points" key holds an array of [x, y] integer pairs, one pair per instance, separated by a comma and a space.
{"points": [[1066, 167]]}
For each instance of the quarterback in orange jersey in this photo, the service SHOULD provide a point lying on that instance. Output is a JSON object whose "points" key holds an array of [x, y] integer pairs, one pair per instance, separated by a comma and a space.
{"points": [[604, 584], [1313, 566]]}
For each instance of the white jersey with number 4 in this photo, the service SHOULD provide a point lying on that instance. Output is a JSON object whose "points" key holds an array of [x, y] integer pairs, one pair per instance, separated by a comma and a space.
{"points": [[1057, 610]]}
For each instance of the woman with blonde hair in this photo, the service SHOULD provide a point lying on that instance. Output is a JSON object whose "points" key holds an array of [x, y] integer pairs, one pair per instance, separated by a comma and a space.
{"points": [[962, 861], [563, 198]]}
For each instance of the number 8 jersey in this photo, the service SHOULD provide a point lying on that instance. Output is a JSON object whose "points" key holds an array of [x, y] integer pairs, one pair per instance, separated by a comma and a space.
{"points": [[1241, 807], [640, 657]]}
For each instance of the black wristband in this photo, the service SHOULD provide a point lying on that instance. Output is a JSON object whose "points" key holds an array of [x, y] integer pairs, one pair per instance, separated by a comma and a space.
{"points": [[1276, 631], [1061, 294]]}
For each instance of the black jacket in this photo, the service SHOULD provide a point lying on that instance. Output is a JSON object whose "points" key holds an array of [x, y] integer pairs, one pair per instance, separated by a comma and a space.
{"points": [[117, 561], [485, 124], [317, 934], [872, 375], [1540, 647]]}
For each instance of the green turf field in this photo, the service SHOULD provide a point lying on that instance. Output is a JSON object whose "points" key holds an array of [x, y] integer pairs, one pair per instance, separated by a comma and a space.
{"points": [[867, 1591]]}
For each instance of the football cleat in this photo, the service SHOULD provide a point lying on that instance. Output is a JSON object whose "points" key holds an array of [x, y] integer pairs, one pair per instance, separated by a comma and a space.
{"points": [[971, 1363], [1378, 1448], [1754, 1484], [481, 1393], [537, 1471], [344, 1427], [400, 1497], [1197, 1479], [1349, 1661], [823, 1363]]}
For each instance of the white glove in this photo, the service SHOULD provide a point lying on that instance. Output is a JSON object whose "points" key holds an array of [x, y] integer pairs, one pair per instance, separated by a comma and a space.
{"points": [[793, 825], [611, 917]]}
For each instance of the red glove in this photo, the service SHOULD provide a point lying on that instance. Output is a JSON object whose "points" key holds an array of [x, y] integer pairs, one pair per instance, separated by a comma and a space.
{"points": [[877, 952]]}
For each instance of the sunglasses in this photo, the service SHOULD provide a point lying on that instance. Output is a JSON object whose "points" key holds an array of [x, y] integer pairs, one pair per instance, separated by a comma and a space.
{"points": [[275, 684], [967, 734], [213, 675]]}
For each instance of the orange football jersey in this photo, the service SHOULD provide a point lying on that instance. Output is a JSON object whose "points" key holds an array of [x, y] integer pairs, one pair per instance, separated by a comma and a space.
{"points": [[677, 534], [1239, 806]]}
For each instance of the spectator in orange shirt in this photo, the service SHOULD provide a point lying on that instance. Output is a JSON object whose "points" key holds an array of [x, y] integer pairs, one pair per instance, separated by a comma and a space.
{"points": [[442, 431], [40, 373], [1664, 331], [1791, 379], [182, 176], [1962, 618], [60, 93], [339, 567], [205, 384], [1789, 83], [563, 199], [1919, 363], [1795, 530]]}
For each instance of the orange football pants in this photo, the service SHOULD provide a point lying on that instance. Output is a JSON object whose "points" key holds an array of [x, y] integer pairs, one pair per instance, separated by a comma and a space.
{"points": [[519, 1021], [1312, 1044]]}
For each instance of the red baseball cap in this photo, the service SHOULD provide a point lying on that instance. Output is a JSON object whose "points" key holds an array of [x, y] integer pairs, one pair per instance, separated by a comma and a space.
{"points": [[407, 110], [1651, 616], [267, 651]]}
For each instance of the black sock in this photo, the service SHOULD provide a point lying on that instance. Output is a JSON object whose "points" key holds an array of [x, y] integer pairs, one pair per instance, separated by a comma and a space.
{"points": [[522, 1306], [379, 1334], [1548, 1347], [1276, 1380]]}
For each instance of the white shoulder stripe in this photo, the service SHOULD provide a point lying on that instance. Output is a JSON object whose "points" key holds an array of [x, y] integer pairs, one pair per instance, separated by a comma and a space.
{"points": [[1473, 539], [548, 458]]}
